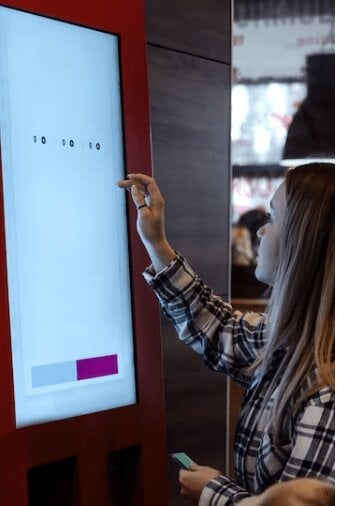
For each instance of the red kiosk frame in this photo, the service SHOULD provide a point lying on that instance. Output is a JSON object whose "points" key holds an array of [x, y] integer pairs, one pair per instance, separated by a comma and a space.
{"points": [[118, 456]]}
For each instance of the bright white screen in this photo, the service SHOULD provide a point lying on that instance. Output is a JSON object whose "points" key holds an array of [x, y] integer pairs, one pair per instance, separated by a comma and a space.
{"points": [[66, 233]]}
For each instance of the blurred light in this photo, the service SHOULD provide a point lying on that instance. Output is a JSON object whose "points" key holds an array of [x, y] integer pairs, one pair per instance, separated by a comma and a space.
{"points": [[293, 162]]}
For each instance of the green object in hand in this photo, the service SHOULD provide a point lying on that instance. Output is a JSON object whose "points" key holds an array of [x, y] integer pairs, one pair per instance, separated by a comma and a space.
{"points": [[182, 459]]}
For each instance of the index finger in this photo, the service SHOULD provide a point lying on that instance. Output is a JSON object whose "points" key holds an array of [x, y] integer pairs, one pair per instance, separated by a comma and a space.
{"points": [[144, 181], [141, 180], [183, 473]]}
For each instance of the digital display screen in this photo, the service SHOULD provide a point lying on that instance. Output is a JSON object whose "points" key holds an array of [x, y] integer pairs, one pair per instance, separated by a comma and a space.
{"points": [[65, 220]]}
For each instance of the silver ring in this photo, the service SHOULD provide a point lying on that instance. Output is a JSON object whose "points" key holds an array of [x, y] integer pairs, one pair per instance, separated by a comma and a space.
{"points": [[139, 207]]}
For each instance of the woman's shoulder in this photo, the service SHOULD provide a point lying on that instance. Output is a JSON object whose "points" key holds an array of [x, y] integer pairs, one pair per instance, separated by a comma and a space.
{"points": [[252, 325]]}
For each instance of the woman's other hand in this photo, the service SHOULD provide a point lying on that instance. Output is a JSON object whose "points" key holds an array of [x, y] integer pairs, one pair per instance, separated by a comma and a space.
{"points": [[193, 482]]}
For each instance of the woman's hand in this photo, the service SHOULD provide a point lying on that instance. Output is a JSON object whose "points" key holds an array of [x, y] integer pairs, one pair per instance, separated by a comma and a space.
{"points": [[251, 501], [193, 482], [150, 204], [150, 217]]}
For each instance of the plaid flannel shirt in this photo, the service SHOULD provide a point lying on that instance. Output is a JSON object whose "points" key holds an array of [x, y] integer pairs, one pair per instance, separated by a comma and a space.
{"points": [[229, 342]]}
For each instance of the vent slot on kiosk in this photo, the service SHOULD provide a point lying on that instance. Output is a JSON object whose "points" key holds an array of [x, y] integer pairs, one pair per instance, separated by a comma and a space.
{"points": [[123, 468], [53, 484]]}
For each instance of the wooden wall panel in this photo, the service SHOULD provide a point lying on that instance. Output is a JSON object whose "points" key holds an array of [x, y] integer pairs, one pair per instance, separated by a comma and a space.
{"points": [[200, 27], [196, 409], [190, 118]]}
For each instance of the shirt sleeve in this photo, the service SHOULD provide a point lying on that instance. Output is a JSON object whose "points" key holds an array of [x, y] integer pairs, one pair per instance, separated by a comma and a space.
{"points": [[312, 454], [228, 340], [222, 492]]}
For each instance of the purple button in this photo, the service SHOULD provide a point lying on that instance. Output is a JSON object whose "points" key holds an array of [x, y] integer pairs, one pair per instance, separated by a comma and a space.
{"points": [[96, 367]]}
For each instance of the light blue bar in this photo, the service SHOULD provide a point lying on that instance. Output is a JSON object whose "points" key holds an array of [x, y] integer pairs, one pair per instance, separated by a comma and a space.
{"points": [[53, 374]]}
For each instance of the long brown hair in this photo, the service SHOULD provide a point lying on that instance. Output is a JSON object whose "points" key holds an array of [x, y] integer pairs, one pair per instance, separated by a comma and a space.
{"points": [[301, 307]]}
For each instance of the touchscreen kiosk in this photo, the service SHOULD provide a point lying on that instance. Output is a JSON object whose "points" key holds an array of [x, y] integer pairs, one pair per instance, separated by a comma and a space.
{"points": [[65, 220]]}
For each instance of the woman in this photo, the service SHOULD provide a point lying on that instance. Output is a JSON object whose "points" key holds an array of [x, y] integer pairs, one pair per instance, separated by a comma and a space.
{"points": [[283, 358]]}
